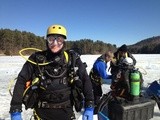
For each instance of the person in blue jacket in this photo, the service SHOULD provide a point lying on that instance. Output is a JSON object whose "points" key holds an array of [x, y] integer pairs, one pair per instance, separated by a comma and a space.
{"points": [[98, 74]]}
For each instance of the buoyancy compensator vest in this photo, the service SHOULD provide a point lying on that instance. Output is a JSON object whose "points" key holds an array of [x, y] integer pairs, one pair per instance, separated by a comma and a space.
{"points": [[94, 74], [55, 83], [51, 81]]}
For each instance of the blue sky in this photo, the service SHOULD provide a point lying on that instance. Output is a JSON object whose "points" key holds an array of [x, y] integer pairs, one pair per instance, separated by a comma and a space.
{"points": [[112, 21]]}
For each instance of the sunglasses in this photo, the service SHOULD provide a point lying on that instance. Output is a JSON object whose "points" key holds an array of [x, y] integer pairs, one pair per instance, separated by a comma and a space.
{"points": [[52, 38]]}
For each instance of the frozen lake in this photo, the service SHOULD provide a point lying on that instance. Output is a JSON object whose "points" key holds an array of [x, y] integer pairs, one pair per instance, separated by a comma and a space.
{"points": [[10, 66]]}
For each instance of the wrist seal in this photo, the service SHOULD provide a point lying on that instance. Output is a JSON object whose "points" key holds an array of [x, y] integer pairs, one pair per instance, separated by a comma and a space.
{"points": [[89, 104], [15, 110]]}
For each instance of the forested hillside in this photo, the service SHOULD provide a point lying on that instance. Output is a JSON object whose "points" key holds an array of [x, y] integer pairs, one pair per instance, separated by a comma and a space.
{"points": [[14, 40], [146, 46]]}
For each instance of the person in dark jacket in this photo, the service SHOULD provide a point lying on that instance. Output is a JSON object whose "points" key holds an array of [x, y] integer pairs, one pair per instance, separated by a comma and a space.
{"points": [[49, 72], [98, 74], [116, 67], [122, 53]]}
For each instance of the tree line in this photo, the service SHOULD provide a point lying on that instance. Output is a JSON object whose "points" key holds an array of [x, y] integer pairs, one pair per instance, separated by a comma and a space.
{"points": [[147, 46], [12, 41]]}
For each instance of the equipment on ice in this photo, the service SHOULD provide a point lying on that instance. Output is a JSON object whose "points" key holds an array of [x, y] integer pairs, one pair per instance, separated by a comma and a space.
{"points": [[124, 101], [153, 91]]}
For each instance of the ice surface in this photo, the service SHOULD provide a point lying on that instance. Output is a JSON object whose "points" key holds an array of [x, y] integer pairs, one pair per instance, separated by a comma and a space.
{"points": [[148, 64]]}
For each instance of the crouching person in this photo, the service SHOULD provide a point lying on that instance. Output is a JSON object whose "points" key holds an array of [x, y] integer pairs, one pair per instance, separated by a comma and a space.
{"points": [[98, 74]]}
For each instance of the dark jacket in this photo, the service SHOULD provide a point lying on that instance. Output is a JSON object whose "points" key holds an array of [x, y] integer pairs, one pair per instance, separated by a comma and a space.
{"points": [[29, 72], [118, 58]]}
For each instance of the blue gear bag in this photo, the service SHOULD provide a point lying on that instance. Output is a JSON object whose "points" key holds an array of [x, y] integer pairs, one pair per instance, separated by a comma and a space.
{"points": [[16, 116], [88, 114], [154, 88]]}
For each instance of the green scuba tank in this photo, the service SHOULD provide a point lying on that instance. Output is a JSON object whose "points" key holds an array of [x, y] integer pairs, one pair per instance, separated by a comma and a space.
{"points": [[135, 83]]}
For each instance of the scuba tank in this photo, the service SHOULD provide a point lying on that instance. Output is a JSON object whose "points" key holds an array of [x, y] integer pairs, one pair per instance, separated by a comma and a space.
{"points": [[135, 81]]}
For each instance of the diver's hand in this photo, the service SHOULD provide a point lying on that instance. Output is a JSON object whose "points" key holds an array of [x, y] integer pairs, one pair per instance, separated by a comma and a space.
{"points": [[16, 116], [88, 114]]}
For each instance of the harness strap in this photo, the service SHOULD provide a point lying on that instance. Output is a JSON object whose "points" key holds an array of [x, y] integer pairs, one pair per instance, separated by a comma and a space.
{"points": [[94, 77], [56, 96], [66, 56], [44, 104], [36, 117]]}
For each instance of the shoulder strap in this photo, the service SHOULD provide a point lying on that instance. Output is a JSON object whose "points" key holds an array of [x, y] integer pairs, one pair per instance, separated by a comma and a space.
{"points": [[66, 56], [72, 57]]}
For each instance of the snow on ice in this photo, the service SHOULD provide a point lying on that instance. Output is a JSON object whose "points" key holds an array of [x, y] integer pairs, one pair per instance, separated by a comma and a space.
{"points": [[10, 66]]}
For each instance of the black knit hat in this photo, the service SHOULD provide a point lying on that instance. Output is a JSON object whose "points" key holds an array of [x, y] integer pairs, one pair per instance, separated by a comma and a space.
{"points": [[123, 48]]}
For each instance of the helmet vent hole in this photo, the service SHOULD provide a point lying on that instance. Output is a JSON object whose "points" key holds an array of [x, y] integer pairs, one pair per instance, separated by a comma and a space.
{"points": [[53, 27]]}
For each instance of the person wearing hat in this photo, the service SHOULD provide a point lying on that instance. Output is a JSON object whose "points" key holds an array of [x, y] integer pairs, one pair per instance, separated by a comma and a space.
{"points": [[99, 75], [122, 53], [51, 82], [119, 56]]}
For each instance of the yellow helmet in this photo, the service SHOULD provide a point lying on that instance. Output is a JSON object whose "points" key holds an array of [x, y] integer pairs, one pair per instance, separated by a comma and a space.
{"points": [[57, 29]]}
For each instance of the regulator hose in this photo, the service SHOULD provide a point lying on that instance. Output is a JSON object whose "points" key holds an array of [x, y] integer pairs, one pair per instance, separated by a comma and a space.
{"points": [[25, 49]]}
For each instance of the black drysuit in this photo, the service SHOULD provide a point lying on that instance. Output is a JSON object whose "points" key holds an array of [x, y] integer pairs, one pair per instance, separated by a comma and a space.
{"points": [[52, 93]]}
